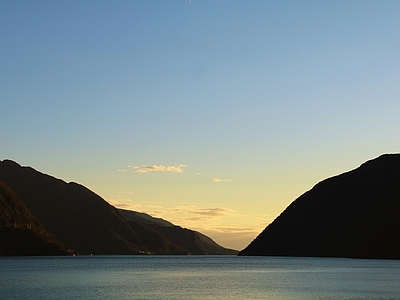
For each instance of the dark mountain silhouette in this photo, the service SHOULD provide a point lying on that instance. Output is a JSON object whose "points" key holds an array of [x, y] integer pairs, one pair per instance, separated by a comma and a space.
{"points": [[195, 242], [82, 219], [355, 214], [20, 232], [75, 215]]}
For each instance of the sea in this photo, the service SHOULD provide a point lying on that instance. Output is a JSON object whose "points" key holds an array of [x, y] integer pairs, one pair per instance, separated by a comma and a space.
{"points": [[197, 277]]}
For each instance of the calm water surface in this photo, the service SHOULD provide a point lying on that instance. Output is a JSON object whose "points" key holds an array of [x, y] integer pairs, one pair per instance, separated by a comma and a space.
{"points": [[197, 277]]}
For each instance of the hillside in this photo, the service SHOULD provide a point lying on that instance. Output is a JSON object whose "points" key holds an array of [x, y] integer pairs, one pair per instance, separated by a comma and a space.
{"points": [[195, 242], [355, 214], [77, 216], [82, 219], [20, 232]]}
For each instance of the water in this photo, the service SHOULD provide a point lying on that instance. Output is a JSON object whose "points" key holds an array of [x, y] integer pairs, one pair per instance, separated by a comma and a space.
{"points": [[197, 277]]}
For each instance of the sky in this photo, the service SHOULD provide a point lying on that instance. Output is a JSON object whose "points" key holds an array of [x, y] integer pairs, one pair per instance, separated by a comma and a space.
{"points": [[214, 115]]}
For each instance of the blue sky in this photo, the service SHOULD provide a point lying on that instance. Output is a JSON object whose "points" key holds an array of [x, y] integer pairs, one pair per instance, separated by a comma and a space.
{"points": [[212, 114]]}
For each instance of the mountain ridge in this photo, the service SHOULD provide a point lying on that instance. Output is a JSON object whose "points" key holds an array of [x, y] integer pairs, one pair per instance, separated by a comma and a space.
{"points": [[82, 219], [194, 241], [353, 214]]}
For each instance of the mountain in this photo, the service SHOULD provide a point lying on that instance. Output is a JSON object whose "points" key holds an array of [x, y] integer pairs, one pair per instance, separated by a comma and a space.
{"points": [[20, 232], [355, 214], [77, 216], [82, 219], [195, 242]]}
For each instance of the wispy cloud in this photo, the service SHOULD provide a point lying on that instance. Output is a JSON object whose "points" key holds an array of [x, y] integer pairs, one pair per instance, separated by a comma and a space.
{"points": [[201, 213], [126, 193], [215, 179], [179, 168], [236, 230], [122, 170], [124, 204]]}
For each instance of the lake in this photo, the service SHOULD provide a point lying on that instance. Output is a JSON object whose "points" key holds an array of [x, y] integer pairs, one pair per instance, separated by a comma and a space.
{"points": [[197, 277]]}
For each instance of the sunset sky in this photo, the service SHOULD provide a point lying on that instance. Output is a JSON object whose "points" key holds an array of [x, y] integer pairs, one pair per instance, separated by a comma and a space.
{"points": [[214, 115]]}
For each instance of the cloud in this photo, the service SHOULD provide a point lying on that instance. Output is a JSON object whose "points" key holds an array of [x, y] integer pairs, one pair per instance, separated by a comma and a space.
{"points": [[122, 170], [124, 204], [126, 193], [221, 180], [236, 230], [180, 168], [201, 213]]}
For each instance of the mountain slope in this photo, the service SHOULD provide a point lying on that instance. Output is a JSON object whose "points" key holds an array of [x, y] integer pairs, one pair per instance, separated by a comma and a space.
{"points": [[77, 216], [195, 242], [20, 232], [355, 214], [88, 224]]}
